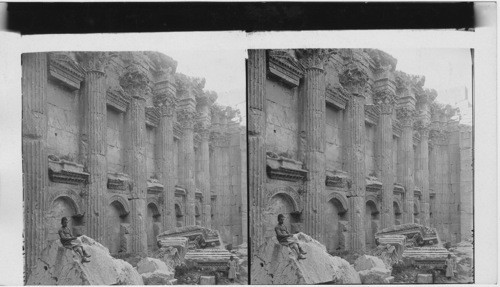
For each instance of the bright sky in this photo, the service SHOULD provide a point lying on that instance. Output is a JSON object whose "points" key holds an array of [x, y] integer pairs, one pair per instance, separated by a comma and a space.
{"points": [[443, 68], [223, 70]]}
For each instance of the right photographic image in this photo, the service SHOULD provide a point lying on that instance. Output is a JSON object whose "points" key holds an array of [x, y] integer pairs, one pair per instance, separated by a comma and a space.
{"points": [[360, 166]]}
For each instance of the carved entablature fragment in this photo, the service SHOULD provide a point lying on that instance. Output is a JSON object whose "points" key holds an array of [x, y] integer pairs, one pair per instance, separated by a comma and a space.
{"points": [[154, 186], [152, 116], [117, 99], [118, 181], [338, 178], [398, 188], [337, 96], [282, 168], [283, 66], [373, 184], [64, 171], [372, 114], [65, 70]]}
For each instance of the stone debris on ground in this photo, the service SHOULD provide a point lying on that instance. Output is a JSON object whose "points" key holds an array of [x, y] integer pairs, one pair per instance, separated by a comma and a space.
{"points": [[58, 265], [171, 250], [372, 270], [274, 263], [155, 272]]}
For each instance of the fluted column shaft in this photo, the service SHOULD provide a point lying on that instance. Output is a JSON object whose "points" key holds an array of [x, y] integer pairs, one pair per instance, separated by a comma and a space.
{"points": [[314, 150], [407, 161], [356, 168], [136, 167], [422, 176], [165, 138], [204, 176], [34, 145], [94, 140], [187, 160], [385, 166], [256, 78]]}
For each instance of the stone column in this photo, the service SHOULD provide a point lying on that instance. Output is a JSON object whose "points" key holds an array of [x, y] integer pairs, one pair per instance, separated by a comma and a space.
{"points": [[385, 99], [186, 117], [135, 83], [439, 139], [256, 79], [35, 164], [224, 195], [203, 106], [235, 181], [355, 80], [405, 114], [312, 131], [454, 180], [422, 174], [166, 101], [94, 143]]}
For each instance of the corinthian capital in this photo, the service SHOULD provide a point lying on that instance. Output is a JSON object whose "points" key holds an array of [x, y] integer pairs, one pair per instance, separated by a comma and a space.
{"points": [[186, 118], [135, 80], [406, 115], [385, 100], [314, 58], [91, 61]]}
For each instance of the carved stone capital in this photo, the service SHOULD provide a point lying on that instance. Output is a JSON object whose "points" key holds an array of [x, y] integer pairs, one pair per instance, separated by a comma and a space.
{"points": [[135, 80], [422, 127], [386, 100], [186, 118], [406, 115], [438, 137], [92, 61], [354, 78], [314, 58]]}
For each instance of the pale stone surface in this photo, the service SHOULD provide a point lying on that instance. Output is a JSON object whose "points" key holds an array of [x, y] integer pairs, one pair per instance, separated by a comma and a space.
{"points": [[371, 269], [207, 280], [424, 278], [277, 264], [155, 271], [58, 265]]}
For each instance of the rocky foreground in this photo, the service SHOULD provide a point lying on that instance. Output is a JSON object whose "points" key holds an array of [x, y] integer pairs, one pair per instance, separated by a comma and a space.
{"points": [[277, 264], [58, 265]]}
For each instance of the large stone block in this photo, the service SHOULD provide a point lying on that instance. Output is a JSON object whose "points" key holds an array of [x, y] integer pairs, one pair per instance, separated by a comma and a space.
{"points": [[155, 271], [367, 262], [58, 265], [207, 280], [274, 263], [424, 278]]}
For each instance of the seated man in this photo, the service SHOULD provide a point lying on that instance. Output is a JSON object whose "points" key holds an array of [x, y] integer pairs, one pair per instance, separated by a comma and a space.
{"points": [[71, 242], [287, 239]]}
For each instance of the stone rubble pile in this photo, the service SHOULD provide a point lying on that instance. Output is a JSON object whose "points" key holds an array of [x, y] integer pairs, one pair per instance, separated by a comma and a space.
{"points": [[58, 265], [274, 263]]}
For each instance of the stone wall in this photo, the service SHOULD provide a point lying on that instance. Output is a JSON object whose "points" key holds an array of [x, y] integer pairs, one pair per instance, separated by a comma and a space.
{"points": [[108, 150], [382, 166]]}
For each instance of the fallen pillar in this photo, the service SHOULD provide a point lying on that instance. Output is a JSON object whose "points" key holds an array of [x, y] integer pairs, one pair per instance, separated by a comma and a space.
{"points": [[274, 263], [208, 259], [427, 257]]}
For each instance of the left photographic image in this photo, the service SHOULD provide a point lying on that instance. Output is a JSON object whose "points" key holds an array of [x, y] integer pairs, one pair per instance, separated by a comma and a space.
{"points": [[134, 168]]}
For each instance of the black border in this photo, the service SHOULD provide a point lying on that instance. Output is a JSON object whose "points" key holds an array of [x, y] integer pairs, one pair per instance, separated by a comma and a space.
{"points": [[62, 18]]}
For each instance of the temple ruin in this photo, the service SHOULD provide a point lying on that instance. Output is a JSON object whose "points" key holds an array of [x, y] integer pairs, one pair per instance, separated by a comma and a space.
{"points": [[344, 145], [126, 148]]}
